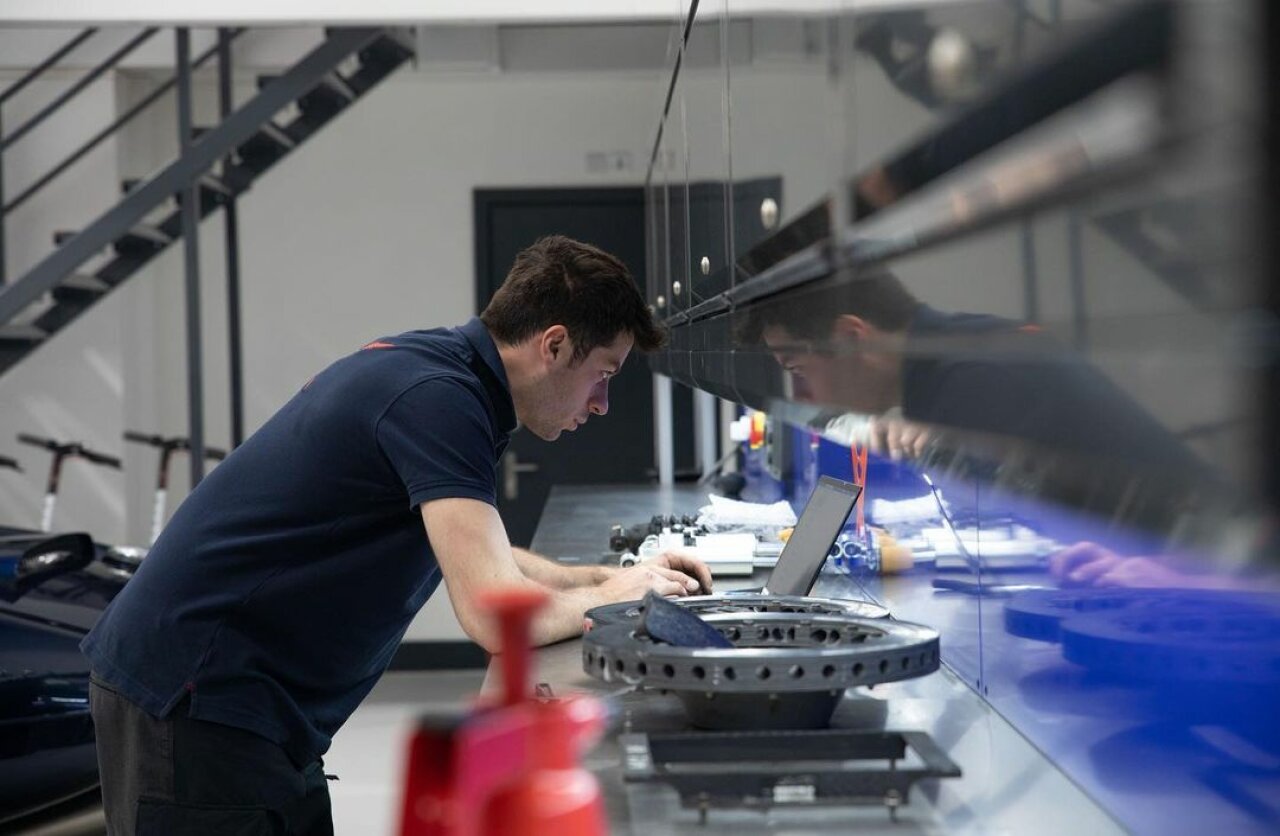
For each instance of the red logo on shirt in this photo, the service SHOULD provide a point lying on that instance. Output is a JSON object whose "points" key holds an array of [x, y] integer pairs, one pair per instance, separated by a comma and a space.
{"points": [[377, 344]]}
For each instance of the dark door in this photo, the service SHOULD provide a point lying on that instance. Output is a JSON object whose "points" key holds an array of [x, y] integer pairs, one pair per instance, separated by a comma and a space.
{"points": [[614, 448]]}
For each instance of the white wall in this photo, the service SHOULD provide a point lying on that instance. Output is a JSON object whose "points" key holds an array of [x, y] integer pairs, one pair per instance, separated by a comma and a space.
{"points": [[70, 389]]}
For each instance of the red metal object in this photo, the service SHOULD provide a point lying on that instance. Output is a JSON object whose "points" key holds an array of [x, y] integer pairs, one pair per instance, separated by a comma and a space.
{"points": [[858, 454], [509, 768]]}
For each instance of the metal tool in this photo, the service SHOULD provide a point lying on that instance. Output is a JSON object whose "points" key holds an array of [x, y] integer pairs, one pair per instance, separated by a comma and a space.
{"points": [[510, 767], [762, 770]]}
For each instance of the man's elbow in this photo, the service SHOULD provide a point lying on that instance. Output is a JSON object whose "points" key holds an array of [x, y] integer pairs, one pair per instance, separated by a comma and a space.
{"points": [[484, 634]]}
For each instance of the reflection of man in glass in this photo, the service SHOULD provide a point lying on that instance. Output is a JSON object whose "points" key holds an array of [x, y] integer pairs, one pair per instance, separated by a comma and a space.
{"points": [[869, 345]]}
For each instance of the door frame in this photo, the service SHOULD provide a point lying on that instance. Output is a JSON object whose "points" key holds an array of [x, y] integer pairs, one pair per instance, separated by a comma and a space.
{"points": [[484, 201]]}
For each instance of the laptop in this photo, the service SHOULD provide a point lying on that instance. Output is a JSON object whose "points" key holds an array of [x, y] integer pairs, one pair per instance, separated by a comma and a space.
{"points": [[806, 551]]}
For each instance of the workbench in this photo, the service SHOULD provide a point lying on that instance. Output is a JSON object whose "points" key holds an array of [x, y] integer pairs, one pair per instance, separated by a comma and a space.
{"points": [[1007, 784]]}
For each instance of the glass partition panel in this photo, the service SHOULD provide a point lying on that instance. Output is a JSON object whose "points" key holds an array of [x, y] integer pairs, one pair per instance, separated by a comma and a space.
{"points": [[1061, 399], [784, 128], [704, 89]]}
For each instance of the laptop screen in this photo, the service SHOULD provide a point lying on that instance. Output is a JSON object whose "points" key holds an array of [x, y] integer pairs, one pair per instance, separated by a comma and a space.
{"points": [[819, 525]]}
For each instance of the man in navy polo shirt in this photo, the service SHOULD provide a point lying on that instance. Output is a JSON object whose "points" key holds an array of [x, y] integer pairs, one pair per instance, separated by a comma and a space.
{"points": [[276, 596]]}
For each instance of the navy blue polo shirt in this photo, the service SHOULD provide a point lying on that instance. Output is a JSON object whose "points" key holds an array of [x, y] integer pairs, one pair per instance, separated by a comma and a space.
{"points": [[282, 586], [993, 375]]}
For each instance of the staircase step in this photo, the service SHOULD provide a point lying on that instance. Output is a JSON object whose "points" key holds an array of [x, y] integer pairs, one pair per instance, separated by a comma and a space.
{"points": [[333, 84], [209, 181], [237, 177], [137, 234], [377, 60], [22, 333], [261, 150], [214, 183], [321, 103], [278, 135], [142, 239], [392, 49], [146, 232], [86, 282], [340, 85], [210, 199], [78, 289]]}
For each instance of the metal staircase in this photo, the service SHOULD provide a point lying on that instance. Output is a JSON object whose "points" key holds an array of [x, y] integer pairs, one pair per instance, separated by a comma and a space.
{"points": [[219, 164]]}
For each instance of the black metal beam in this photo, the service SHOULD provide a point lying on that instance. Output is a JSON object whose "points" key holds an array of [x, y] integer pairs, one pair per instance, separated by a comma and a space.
{"points": [[191, 264], [3, 252], [1268, 277], [212, 146], [232, 229]]}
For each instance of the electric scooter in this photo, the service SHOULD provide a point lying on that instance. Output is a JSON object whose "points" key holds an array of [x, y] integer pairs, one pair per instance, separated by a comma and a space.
{"points": [[62, 452], [167, 447]]}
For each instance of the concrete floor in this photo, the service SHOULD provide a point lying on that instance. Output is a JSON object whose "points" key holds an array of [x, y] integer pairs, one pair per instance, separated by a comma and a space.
{"points": [[368, 753]]}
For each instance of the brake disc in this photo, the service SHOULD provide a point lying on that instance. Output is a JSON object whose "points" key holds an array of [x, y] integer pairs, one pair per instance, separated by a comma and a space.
{"points": [[786, 669], [704, 605]]}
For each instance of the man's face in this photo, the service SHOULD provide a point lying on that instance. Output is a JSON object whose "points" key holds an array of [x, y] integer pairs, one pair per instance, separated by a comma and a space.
{"points": [[812, 373], [851, 369], [572, 392]]}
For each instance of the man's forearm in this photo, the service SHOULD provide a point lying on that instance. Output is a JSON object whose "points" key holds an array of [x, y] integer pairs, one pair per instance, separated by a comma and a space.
{"points": [[562, 617], [556, 575]]}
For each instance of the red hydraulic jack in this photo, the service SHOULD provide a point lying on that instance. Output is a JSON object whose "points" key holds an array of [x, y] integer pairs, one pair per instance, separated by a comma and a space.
{"points": [[511, 768]]}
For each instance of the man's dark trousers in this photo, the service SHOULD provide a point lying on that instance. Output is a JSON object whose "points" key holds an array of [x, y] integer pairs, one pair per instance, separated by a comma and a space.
{"points": [[186, 776]]}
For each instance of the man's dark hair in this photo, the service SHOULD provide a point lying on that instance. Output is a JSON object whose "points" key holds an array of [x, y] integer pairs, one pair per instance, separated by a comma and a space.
{"points": [[559, 281], [809, 313]]}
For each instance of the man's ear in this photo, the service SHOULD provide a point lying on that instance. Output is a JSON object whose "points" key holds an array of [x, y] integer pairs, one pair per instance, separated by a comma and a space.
{"points": [[554, 345], [850, 329]]}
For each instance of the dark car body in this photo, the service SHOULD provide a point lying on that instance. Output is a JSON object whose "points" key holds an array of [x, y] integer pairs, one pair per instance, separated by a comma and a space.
{"points": [[46, 734]]}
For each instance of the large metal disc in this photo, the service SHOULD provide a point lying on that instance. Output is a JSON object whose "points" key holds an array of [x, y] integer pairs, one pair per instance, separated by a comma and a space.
{"points": [[704, 605], [785, 670], [774, 652]]}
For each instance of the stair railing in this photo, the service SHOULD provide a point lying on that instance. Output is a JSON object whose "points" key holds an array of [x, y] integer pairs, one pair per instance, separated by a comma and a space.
{"points": [[75, 156]]}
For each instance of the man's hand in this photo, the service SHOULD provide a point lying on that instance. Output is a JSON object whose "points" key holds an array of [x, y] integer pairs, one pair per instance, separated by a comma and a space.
{"points": [[1082, 564], [1088, 564], [898, 438], [689, 565], [671, 573], [1147, 573]]}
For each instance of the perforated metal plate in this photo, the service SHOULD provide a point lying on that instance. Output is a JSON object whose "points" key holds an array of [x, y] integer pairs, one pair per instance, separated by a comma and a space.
{"points": [[785, 671], [774, 652], [704, 605]]}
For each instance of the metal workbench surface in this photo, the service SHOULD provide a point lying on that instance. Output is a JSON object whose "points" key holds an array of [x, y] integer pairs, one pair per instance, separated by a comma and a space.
{"points": [[1008, 786]]}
